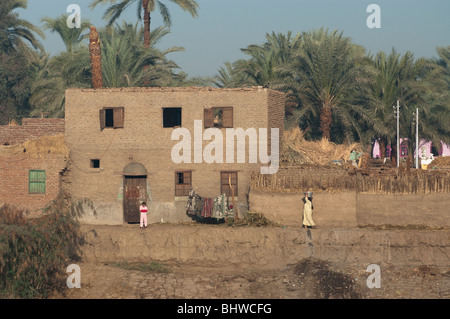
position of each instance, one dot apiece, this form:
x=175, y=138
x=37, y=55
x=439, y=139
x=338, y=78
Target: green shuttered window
x=36, y=182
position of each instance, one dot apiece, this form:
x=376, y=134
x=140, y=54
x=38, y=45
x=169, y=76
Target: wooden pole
x=236, y=216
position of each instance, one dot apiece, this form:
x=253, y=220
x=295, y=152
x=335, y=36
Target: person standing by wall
x=307, y=212
x=143, y=221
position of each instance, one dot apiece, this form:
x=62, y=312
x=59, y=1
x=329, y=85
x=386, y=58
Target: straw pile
x=38, y=147
x=296, y=150
x=441, y=162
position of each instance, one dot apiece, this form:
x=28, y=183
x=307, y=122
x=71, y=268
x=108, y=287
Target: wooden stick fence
x=296, y=179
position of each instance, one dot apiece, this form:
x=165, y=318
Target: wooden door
x=135, y=192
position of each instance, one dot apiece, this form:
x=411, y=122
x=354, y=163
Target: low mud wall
x=353, y=209
x=265, y=247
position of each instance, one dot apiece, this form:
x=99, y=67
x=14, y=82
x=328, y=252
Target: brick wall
x=144, y=140
x=14, y=172
x=30, y=128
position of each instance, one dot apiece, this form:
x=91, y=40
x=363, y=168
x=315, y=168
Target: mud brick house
x=30, y=128
x=33, y=157
x=121, y=147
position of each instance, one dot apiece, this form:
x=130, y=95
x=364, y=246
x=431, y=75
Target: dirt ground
x=309, y=278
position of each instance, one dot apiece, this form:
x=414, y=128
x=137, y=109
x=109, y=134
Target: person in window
x=143, y=221
x=307, y=212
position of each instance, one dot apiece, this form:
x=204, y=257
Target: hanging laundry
x=208, y=210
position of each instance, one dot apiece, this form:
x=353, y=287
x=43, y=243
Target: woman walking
x=307, y=213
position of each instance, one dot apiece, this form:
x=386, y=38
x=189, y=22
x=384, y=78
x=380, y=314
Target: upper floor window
x=171, y=116
x=112, y=117
x=218, y=117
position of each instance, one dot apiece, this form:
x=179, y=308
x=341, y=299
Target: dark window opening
x=171, y=117
x=109, y=118
x=183, y=183
x=436, y=150
x=95, y=163
x=112, y=117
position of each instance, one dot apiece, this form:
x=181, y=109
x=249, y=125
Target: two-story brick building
x=122, y=148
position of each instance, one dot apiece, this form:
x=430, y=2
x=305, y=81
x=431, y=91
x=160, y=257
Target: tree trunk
x=325, y=122
x=95, y=52
x=382, y=143
x=394, y=154
x=146, y=23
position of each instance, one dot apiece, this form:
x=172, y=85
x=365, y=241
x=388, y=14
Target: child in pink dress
x=143, y=209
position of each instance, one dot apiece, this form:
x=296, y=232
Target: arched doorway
x=134, y=191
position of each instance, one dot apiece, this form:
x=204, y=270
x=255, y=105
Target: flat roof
x=178, y=89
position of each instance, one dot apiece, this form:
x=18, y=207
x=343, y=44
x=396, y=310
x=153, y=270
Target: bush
x=35, y=253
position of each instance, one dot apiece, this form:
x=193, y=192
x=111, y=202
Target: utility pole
x=397, y=115
x=417, y=137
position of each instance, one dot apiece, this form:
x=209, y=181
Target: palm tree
x=263, y=66
x=444, y=61
x=124, y=58
x=229, y=76
x=415, y=84
x=144, y=8
x=72, y=37
x=329, y=75
x=54, y=76
x=14, y=31
x=17, y=49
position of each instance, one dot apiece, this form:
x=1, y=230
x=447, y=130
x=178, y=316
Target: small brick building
x=33, y=158
x=121, y=145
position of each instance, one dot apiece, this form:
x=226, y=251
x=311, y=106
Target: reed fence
x=302, y=179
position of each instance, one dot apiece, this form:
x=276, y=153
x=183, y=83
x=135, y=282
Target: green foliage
x=35, y=253
x=14, y=31
x=15, y=55
x=116, y=9
x=127, y=63
x=332, y=84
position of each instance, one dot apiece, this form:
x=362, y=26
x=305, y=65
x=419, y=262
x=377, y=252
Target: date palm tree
x=329, y=74
x=144, y=9
x=15, y=33
x=262, y=67
x=18, y=42
x=123, y=56
x=72, y=37
x=415, y=83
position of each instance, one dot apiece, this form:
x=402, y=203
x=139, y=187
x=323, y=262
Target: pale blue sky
x=223, y=27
